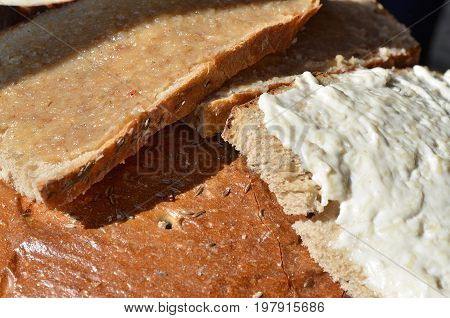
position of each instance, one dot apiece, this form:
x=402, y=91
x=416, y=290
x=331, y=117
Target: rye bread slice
x=34, y=53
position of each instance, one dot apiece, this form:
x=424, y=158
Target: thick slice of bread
x=148, y=230
x=277, y=165
x=345, y=34
x=295, y=191
x=298, y=194
x=84, y=85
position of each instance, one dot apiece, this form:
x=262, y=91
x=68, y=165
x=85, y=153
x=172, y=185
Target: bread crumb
x=244, y=236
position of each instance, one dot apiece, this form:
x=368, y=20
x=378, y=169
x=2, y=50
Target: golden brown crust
x=110, y=242
x=179, y=104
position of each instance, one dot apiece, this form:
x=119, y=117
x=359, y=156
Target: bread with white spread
x=372, y=148
x=344, y=35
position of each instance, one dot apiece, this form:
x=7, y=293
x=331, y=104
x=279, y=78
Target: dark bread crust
x=176, y=106
x=107, y=243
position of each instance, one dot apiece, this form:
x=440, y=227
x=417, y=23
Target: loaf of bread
x=161, y=225
x=344, y=35
x=76, y=99
x=376, y=141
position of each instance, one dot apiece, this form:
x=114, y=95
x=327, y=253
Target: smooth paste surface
x=377, y=141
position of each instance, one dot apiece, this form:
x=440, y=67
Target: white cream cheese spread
x=377, y=141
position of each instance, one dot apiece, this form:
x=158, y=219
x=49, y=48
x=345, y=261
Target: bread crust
x=178, y=102
x=110, y=243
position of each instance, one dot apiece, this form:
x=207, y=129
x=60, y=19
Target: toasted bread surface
x=88, y=95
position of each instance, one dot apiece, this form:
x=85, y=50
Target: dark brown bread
x=160, y=226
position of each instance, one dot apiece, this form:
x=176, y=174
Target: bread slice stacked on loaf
x=367, y=153
x=344, y=34
x=84, y=85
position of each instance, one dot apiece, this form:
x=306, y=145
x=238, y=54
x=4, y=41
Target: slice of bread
x=298, y=194
x=277, y=165
x=345, y=34
x=83, y=86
